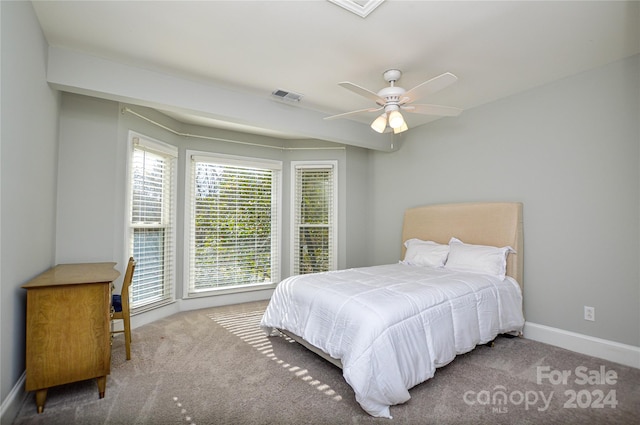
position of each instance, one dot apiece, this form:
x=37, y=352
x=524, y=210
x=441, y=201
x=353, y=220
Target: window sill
x=151, y=306
x=230, y=290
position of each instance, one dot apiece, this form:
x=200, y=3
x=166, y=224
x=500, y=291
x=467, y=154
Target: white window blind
x=314, y=218
x=234, y=223
x=152, y=224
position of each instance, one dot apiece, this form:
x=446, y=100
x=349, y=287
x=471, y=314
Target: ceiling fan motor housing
x=392, y=94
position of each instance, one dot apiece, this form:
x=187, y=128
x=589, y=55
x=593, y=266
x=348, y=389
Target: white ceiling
x=496, y=48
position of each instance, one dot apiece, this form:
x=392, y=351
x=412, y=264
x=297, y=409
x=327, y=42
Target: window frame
x=333, y=219
x=170, y=250
x=189, y=222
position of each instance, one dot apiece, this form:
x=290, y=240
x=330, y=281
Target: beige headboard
x=482, y=223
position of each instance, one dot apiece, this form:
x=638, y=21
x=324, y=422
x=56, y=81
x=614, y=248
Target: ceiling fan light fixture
x=380, y=123
x=396, y=120
x=400, y=129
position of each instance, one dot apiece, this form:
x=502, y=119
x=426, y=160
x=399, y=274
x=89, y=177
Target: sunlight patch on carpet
x=183, y=411
x=246, y=326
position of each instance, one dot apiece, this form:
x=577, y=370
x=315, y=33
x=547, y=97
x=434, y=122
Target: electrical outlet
x=589, y=313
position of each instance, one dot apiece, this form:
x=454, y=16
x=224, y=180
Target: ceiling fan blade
x=438, y=110
x=362, y=92
x=347, y=114
x=429, y=87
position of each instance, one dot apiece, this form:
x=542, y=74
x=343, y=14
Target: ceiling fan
x=393, y=99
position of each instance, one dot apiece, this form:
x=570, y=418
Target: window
x=152, y=221
x=314, y=217
x=234, y=222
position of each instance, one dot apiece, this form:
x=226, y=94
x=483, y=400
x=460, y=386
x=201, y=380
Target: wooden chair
x=120, y=306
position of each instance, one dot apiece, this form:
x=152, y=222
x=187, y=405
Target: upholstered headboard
x=482, y=223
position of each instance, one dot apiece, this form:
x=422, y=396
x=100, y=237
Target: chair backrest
x=126, y=283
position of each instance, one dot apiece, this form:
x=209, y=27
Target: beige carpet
x=214, y=366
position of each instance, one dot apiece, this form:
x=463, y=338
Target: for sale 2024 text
x=589, y=397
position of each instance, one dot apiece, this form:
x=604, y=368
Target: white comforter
x=393, y=325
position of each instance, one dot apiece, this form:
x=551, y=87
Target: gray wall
x=570, y=152
x=90, y=204
x=29, y=165
x=358, y=192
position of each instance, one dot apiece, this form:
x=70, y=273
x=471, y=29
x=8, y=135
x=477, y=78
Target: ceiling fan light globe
x=400, y=129
x=380, y=123
x=396, y=120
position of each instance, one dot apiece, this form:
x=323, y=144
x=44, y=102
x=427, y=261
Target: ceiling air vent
x=287, y=95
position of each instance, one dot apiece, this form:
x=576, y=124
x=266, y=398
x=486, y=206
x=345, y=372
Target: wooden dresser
x=68, y=333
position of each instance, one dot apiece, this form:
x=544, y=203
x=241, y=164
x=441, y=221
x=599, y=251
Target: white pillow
x=478, y=258
x=425, y=253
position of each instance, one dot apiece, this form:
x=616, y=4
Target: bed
x=389, y=327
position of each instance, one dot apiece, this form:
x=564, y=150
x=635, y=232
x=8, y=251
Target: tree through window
x=235, y=214
x=314, y=219
x=152, y=221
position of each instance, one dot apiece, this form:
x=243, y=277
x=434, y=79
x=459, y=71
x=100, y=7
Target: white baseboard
x=627, y=355
x=196, y=303
x=11, y=404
